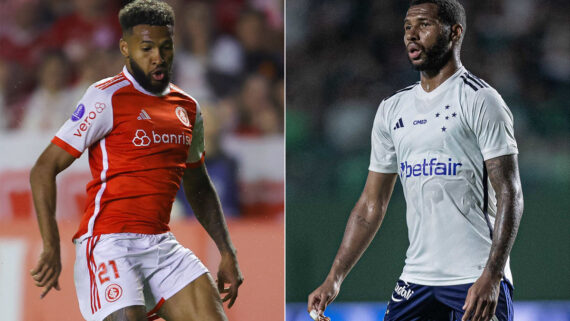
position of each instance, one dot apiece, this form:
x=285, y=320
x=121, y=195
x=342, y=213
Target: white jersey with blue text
x=437, y=142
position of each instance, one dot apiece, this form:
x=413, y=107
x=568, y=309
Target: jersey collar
x=441, y=88
x=140, y=88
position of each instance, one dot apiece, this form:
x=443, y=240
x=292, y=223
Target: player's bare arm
x=482, y=297
x=363, y=223
x=42, y=179
x=202, y=196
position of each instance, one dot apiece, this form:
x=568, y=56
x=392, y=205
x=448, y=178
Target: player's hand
x=47, y=270
x=322, y=297
x=229, y=272
x=482, y=298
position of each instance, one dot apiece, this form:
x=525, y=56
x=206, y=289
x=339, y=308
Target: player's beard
x=436, y=56
x=145, y=80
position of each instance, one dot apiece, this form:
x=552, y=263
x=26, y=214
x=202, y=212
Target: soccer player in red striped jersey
x=144, y=137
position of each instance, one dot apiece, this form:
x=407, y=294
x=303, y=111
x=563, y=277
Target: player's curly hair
x=146, y=12
x=450, y=12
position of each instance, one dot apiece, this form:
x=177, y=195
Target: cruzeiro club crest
x=182, y=115
x=445, y=115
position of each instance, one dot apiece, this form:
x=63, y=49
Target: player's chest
x=427, y=126
x=153, y=123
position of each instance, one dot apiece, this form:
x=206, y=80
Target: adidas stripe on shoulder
x=402, y=90
x=108, y=82
x=473, y=81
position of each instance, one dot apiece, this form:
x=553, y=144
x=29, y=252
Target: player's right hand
x=322, y=297
x=47, y=270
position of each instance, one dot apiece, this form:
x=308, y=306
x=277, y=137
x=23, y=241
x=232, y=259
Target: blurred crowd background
x=344, y=57
x=228, y=55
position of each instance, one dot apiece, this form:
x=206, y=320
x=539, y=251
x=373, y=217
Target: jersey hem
x=80, y=238
x=420, y=281
x=460, y=281
x=382, y=170
x=66, y=147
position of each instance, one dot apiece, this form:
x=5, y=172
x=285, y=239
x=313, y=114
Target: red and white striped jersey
x=139, y=146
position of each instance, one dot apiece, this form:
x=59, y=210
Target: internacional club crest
x=182, y=115
x=113, y=292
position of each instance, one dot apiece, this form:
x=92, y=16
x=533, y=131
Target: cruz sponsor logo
x=142, y=139
x=403, y=292
x=429, y=168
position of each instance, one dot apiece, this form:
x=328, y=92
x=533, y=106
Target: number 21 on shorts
x=103, y=277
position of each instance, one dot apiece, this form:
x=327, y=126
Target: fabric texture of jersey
x=139, y=146
x=414, y=302
x=114, y=271
x=437, y=142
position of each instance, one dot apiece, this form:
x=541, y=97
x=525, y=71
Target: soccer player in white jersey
x=450, y=140
x=144, y=137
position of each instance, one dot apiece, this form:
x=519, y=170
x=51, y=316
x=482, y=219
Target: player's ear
x=124, y=47
x=456, y=32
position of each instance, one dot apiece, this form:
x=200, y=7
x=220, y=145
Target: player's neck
x=431, y=79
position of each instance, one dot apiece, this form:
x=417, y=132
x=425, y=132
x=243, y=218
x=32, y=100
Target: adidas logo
x=399, y=124
x=143, y=115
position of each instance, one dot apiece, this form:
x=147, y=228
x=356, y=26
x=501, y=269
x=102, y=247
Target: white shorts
x=113, y=271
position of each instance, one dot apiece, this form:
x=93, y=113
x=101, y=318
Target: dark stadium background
x=343, y=58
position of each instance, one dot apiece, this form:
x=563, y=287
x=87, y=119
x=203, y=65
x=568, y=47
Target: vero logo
x=84, y=125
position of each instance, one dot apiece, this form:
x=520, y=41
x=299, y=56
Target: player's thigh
x=413, y=302
x=198, y=301
x=132, y=313
x=454, y=297
x=105, y=280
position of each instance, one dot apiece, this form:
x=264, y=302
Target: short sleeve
x=91, y=121
x=492, y=124
x=196, y=152
x=383, y=154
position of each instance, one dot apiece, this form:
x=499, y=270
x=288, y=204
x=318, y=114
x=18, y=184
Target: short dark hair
x=146, y=12
x=450, y=12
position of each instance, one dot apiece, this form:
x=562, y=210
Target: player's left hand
x=229, y=272
x=482, y=298
x=47, y=270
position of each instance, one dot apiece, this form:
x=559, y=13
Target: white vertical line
x=101, y=190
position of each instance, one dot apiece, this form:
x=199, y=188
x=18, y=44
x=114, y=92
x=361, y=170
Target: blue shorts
x=414, y=302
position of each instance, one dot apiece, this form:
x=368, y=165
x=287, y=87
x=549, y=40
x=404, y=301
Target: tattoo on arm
x=504, y=176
